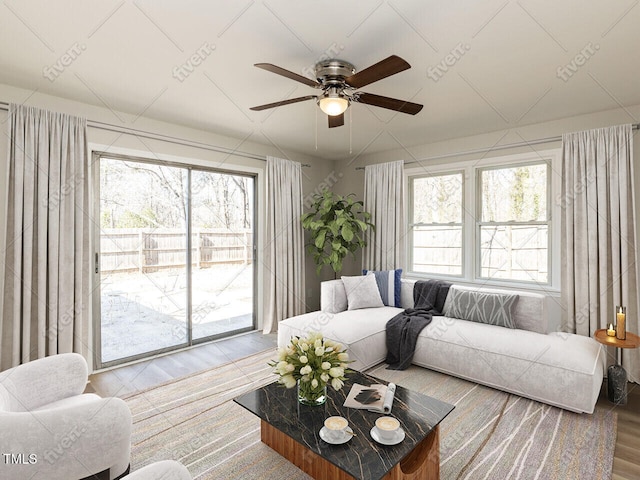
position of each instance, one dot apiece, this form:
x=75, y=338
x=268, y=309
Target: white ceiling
x=507, y=76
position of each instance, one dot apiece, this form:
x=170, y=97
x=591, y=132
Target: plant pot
x=307, y=395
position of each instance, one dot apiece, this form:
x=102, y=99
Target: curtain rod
x=538, y=141
x=167, y=138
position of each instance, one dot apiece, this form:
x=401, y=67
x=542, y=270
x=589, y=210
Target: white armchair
x=50, y=430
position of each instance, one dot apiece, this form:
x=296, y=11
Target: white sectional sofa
x=560, y=369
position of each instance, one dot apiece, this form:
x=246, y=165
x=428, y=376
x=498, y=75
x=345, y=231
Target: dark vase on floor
x=617, y=385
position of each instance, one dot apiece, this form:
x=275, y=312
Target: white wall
x=353, y=180
x=340, y=175
x=118, y=142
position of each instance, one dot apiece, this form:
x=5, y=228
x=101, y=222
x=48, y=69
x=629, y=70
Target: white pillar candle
x=621, y=319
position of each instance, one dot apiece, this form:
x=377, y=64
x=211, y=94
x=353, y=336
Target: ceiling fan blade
x=336, y=120
x=286, y=73
x=383, y=69
x=283, y=102
x=387, y=102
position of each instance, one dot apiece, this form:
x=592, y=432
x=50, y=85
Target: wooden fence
x=133, y=249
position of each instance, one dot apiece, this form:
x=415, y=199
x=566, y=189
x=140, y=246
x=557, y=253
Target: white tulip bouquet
x=311, y=363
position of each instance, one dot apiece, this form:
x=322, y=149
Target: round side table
x=616, y=375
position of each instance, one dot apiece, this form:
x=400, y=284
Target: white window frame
x=479, y=223
x=471, y=201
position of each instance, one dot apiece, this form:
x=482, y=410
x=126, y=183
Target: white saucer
x=345, y=438
x=394, y=441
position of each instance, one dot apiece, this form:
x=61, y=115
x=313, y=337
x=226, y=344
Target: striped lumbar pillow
x=481, y=307
x=388, y=284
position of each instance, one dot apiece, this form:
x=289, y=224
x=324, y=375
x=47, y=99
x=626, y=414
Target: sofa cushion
x=362, y=292
x=482, y=307
x=389, y=283
x=362, y=332
x=333, y=296
x=560, y=369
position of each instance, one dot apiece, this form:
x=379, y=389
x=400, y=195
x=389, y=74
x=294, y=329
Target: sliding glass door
x=222, y=253
x=175, y=257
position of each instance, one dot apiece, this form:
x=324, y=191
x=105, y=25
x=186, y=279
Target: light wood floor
x=126, y=379
x=626, y=461
x=131, y=378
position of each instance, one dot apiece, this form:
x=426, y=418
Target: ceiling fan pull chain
x=316, y=112
x=350, y=131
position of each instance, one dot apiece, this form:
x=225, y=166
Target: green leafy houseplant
x=337, y=225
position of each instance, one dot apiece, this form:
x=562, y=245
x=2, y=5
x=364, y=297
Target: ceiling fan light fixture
x=338, y=81
x=333, y=104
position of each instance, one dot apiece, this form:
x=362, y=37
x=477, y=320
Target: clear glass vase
x=307, y=395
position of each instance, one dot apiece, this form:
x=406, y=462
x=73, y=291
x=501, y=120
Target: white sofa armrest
x=46, y=380
x=87, y=436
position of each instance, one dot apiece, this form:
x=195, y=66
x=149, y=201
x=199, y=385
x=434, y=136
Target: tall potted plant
x=337, y=225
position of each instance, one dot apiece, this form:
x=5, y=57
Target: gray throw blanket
x=403, y=329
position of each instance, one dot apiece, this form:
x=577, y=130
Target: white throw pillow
x=362, y=292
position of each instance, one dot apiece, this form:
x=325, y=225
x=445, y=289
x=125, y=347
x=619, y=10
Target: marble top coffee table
x=292, y=430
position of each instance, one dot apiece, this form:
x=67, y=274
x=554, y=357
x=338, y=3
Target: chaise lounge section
x=560, y=369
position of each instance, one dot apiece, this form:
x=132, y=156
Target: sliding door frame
x=97, y=155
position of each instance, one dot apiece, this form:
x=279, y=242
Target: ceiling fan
x=338, y=81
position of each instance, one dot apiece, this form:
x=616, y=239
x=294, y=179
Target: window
x=491, y=221
x=513, y=225
x=437, y=224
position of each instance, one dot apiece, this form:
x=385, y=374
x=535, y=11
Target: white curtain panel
x=599, y=268
x=384, y=199
x=284, y=249
x=47, y=261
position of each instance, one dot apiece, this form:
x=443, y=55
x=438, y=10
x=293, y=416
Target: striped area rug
x=490, y=434
x=494, y=435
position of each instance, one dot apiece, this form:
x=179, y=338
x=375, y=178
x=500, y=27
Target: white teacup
x=336, y=428
x=387, y=427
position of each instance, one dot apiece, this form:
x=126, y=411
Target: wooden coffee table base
x=423, y=463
